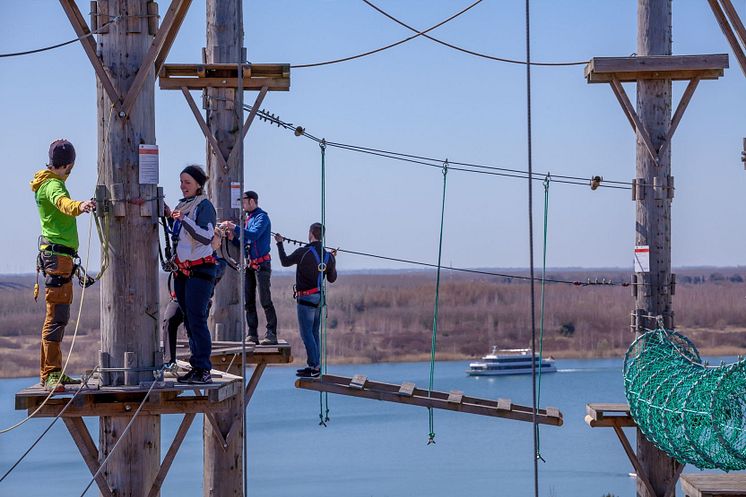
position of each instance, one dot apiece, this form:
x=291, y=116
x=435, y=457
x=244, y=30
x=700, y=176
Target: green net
x=694, y=412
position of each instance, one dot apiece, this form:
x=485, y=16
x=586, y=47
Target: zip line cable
x=69, y=42
x=391, y=45
x=72, y=343
x=589, y=282
x=468, y=167
x=529, y=150
x=471, y=52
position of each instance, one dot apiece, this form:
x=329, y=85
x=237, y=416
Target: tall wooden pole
x=224, y=457
x=224, y=30
x=129, y=289
x=654, y=210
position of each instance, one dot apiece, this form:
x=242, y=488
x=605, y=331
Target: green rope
x=323, y=396
x=547, y=180
x=431, y=434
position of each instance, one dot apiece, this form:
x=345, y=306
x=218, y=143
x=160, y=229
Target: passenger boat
x=509, y=361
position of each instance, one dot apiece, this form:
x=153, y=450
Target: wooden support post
x=186, y=422
x=654, y=214
x=725, y=26
x=224, y=464
x=88, y=450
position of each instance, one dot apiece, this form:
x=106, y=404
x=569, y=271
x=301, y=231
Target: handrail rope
x=471, y=52
x=431, y=384
x=69, y=42
x=541, y=312
x=391, y=45
x=323, y=409
x=83, y=385
x=435, y=163
x=72, y=343
x=529, y=154
x=589, y=282
x=121, y=436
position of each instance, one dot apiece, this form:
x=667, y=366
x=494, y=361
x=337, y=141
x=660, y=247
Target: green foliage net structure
x=694, y=412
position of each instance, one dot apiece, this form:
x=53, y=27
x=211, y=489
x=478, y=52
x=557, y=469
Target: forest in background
x=388, y=316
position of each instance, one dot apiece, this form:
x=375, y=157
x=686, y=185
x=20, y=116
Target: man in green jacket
x=58, y=248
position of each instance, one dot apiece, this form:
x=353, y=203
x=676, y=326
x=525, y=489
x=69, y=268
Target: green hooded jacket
x=57, y=211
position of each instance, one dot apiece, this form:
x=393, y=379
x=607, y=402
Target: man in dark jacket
x=313, y=264
x=257, y=238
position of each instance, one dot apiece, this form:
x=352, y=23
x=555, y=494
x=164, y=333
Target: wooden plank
x=504, y=404
x=455, y=396
x=423, y=398
x=88, y=450
x=100, y=409
x=735, y=20
x=225, y=392
x=407, y=389
x=250, y=84
x=673, y=67
x=203, y=126
x=711, y=485
x=186, y=423
x=358, y=381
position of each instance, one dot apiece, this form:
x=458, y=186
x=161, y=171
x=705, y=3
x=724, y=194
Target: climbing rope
x=431, y=385
x=323, y=396
x=693, y=412
x=541, y=309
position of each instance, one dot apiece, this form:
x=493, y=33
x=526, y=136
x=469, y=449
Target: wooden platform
x=714, y=485
x=226, y=355
x=275, y=77
x=167, y=397
x=407, y=393
x=673, y=67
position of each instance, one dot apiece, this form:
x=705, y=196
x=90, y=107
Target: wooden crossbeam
x=214, y=146
x=186, y=423
x=253, y=382
x=672, y=67
x=89, y=451
x=725, y=27
x=714, y=485
x=421, y=397
x=276, y=77
x=247, y=124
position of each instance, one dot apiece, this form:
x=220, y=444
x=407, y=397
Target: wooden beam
x=177, y=7
x=89, y=46
x=673, y=67
x=186, y=423
x=728, y=32
x=424, y=398
x=641, y=475
x=168, y=41
x=276, y=77
x=634, y=120
x=676, y=119
x=216, y=431
x=249, y=120
x=671, y=492
x=735, y=20
x=88, y=450
x=203, y=126
x=711, y=485
x=253, y=382
x=254, y=84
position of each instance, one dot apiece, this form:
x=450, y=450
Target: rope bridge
x=694, y=412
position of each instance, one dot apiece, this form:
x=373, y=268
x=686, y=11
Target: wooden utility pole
x=224, y=30
x=129, y=289
x=653, y=220
x=223, y=432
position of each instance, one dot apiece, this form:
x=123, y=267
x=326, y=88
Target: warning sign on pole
x=235, y=195
x=148, y=164
x=642, y=258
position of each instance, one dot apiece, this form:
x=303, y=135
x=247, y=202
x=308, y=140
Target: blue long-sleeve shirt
x=257, y=234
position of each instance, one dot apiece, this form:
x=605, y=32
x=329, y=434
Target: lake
x=371, y=448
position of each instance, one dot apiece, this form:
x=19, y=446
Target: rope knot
x=445, y=167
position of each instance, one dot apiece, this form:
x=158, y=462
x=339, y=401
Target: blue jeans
x=309, y=322
x=193, y=294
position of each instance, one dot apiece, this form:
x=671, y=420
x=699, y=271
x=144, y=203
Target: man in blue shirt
x=257, y=240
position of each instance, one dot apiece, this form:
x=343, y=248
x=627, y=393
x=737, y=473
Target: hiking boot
x=56, y=381
x=309, y=373
x=200, y=377
x=268, y=340
x=252, y=340
x=187, y=378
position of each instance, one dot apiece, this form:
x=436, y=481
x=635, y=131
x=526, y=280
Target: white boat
x=509, y=361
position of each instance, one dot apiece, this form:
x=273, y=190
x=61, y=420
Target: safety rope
x=431, y=385
x=72, y=343
x=541, y=312
x=323, y=396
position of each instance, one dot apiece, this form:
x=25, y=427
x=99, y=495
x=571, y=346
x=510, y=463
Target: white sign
x=642, y=258
x=235, y=195
x=148, y=164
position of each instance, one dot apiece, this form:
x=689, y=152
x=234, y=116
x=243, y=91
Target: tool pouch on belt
x=58, y=273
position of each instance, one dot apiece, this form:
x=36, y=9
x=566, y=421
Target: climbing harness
x=431, y=385
x=167, y=254
x=55, y=280
x=254, y=263
x=693, y=412
x=321, y=266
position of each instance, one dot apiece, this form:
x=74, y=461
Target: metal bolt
x=127, y=407
x=122, y=114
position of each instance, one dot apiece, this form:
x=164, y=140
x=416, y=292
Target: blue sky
x=418, y=98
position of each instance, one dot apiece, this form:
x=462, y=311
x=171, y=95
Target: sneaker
x=200, y=377
x=187, y=378
x=310, y=373
x=268, y=341
x=252, y=340
x=300, y=372
x=56, y=381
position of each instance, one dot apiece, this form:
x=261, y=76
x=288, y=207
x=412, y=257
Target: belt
x=303, y=293
x=185, y=267
x=254, y=263
x=60, y=249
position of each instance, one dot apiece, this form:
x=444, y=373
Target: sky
x=418, y=98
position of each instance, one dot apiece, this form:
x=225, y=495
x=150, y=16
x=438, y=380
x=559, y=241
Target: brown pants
x=58, y=298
